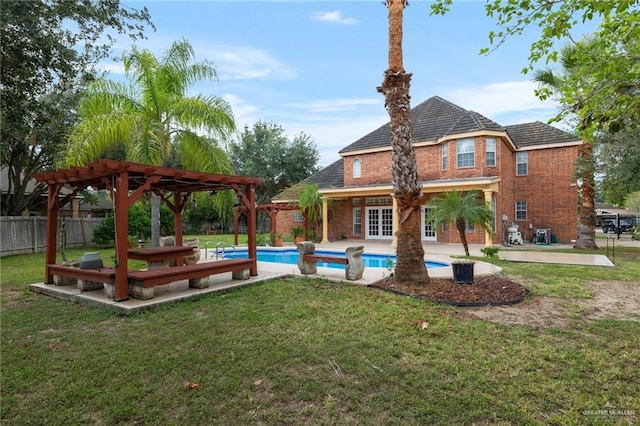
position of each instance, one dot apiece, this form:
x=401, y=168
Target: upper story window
x=444, y=156
x=491, y=151
x=521, y=210
x=466, y=152
x=522, y=163
x=357, y=168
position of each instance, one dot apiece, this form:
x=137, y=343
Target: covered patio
x=128, y=183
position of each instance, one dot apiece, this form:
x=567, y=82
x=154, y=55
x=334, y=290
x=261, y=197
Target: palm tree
x=152, y=120
x=585, y=163
x=460, y=209
x=310, y=204
x=407, y=189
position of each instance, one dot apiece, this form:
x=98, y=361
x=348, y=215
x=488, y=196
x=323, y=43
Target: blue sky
x=313, y=66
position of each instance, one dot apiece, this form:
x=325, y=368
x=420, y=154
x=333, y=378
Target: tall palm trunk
x=155, y=220
x=460, y=226
x=407, y=189
x=586, y=235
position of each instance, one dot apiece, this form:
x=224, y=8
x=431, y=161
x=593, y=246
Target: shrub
x=139, y=224
x=491, y=251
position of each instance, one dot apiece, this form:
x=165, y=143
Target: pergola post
x=251, y=228
x=121, y=200
x=52, y=230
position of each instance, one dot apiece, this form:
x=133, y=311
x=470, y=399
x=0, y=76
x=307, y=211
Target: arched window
x=357, y=168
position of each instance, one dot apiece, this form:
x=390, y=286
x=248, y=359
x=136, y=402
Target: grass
x=306, y=351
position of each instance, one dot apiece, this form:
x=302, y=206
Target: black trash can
x=462, y=272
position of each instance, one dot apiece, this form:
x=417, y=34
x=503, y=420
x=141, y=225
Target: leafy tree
x=618, y=161
x=561, y=82
x=48, y=49
x=632, y=202
x=206, y=209
x=460, y=209
x=407, y=189
x=139, y=224
x=152, y=121
x=607, y=68
x=265, y=151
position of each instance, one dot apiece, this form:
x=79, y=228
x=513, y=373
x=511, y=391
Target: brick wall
x=552, y=201
x=550, y=192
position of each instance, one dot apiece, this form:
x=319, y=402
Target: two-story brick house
x=525, y=173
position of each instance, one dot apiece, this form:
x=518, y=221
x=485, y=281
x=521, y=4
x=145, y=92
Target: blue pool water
x=291, y=257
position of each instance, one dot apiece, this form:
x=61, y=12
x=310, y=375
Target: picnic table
x=158, y=257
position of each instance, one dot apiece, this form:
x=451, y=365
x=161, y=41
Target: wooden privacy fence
x=21, y=234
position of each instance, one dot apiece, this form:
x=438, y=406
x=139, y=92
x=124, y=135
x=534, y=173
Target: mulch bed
x=485, y=290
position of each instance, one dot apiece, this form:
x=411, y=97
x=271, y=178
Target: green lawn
x=305, y=351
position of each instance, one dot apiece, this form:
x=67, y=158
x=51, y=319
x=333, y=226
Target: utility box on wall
x=543, y=236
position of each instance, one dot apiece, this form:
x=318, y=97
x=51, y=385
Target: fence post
x=34, y=235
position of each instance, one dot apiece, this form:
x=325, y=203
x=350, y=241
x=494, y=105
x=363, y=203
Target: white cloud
x=335, y=105
x=495, y=99
x=112, y=67
x=242, y=111
x=244, y=63
x=331, y=134
x=334, y=17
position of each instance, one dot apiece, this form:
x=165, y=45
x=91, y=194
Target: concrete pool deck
x=267, y=271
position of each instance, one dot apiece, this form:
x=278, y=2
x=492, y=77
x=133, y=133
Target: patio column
x=396, y=221
x=325, y=222
x=488, y=235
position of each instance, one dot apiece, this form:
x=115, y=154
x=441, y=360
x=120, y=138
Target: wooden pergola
x=127, y=183
x=272, y=211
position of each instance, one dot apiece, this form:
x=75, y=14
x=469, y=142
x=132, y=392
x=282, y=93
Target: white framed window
x=357, y=221
x=469, y=227
x=379, y=201
x=522, y=163
x=357, y=168
x=490, y=151
x=443, y=151
x=521, y=210
x=465, y=151
x=297, y=216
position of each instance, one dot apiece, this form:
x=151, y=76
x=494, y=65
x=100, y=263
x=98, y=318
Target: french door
x=428, y=227
x=379, y=223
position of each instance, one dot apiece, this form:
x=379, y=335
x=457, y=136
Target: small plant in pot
x=462, y=271
x=276, y=239
x=298, y=234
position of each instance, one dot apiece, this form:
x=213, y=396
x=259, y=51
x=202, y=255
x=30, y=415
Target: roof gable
x=430, y=120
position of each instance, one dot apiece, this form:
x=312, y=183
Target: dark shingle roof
x=538, y=133
x=431, y=120
x=331, y=176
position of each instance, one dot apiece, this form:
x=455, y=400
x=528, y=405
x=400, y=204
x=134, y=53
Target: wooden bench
x=307, y=259
x=325, y=259
x=87, y=279
x=141, y=283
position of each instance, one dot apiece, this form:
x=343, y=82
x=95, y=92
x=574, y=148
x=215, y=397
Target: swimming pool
x=290, y=256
